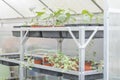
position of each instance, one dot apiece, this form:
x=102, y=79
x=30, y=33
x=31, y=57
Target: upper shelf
x=58, y=32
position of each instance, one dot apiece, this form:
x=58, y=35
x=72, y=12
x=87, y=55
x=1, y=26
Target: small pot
x=45, y=60
x=37, y=26
x=38, y=60
x=47, y=64
x=88, y=66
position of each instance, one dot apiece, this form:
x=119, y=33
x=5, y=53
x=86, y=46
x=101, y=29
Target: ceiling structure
x=10, y=9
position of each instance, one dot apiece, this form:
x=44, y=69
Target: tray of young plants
x=65, y=62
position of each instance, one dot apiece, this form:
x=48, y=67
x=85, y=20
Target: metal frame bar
x=97, y=5
x=82, y=45
x=46, y=5
x=106, y=40
x=82, y=54
x=13, y=8
x=24, y=37
x=87, y=42
x=22, y=41
x=59, y=44
x=77, y=43
x=21, y=70
x=90, y=38
x=81, y=41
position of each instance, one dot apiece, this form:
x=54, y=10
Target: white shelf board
x=53, y=28
x=91, y=72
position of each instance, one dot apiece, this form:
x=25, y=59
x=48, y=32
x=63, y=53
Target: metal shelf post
x=81, y=54
x=21, y=71
x=23, y=39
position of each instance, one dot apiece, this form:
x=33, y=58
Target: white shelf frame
x=81, y=44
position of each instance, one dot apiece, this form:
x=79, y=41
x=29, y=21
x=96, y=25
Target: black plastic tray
x=30, y=33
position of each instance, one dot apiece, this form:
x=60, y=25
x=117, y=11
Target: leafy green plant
x=61, y=16
x=57, y=18
x=87, y=15
x=62, y=61
x=40, y=15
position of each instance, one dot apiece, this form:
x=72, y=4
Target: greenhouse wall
x=114, y=46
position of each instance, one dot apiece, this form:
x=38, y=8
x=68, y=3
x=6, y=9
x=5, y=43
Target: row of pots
x=44, y=61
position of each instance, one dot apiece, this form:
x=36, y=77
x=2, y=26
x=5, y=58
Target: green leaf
x=68, y=15
x=40, y=13
x=86, y=12
x=59, y=12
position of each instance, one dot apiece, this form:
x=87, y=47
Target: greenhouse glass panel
x=72, y=4
x=26, y=7
x=114, y=40
x=114, y=47
x=6, y=11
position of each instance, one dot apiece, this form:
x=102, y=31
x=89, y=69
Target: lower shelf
x=68, y=75
x=87, y=77
x=73, y=75
x=8, y=63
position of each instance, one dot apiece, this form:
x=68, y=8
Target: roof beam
x=13, y=8
x=97, y=5
x=46, y=5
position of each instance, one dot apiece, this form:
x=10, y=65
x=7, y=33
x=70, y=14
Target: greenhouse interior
x=59, y=40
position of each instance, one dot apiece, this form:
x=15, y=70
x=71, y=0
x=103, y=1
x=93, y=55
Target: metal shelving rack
x=81, y=44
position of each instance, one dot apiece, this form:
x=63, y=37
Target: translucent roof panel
x=6, y=11
x=24, y=6
x=114, y=4
x=77, y=5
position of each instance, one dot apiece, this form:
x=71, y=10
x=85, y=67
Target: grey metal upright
x=106, y=40
x=21, y=71
x=81, y=54
x=23, y=39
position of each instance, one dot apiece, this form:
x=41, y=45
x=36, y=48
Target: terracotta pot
x=38, y=26
x=45, y=60
x=38, y=61
x=52, y=64
x=88, y=66
x=47, y=64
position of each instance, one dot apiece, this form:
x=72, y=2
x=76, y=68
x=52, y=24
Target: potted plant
x=40, y=16
x=59, y=18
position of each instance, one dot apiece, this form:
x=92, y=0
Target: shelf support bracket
x=90, y=38
x=71, y=33
x=24, y=37
x=87, y=42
